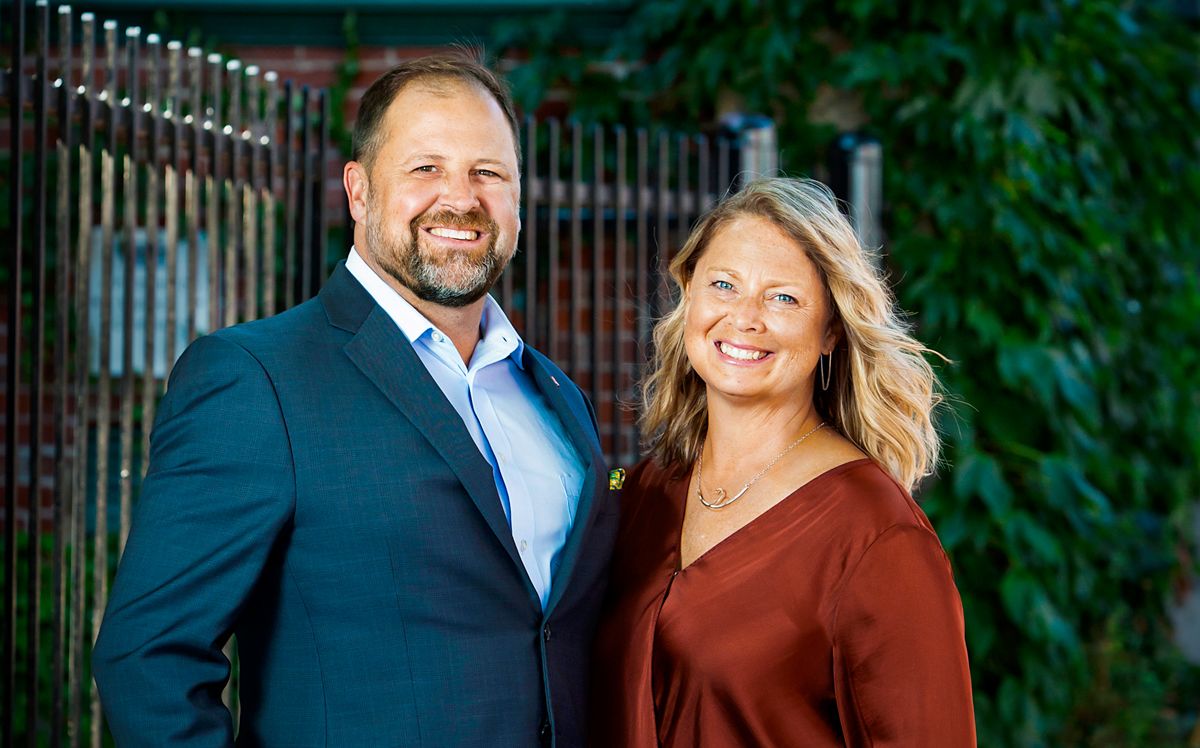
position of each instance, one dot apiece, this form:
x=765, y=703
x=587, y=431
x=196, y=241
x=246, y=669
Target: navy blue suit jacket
x=312, y=491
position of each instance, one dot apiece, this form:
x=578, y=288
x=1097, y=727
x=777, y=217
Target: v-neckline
x=681, y=502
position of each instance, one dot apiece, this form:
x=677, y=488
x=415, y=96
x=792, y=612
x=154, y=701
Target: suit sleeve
x=218, y=495
x=900, y=661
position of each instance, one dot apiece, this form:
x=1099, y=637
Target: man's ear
x=354, y=179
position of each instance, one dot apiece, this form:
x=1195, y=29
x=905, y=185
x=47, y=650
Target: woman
x=775, y=584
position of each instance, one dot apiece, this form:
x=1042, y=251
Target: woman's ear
x=834, y=332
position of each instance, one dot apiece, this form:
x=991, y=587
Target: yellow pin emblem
x=616, y=479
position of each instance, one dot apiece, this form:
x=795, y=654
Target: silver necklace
x=720, y=502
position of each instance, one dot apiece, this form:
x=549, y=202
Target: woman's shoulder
x=873, y=500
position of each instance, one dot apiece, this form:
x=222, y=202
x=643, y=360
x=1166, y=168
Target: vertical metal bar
x=33, y=547
x=289, y=200
x=703, y=201
x=305, y=218
x=83, y=410
x=104, y=388
x=191, y=203
x=663, y=230
x=642, y=270
x=724, y=187
x=173, y=187
x=63, y=462
x=506, y=279
x=132, y=163
x=577, y=297
x=598, y=279
x=682, y=208
x=251, y=184
x=530, y=227
x=554, y=247
x=12, y=434
x=620, y=293
x=153, y=107
x=270, y=144
x=212, y=193
x=231, y=192
x=321, y=225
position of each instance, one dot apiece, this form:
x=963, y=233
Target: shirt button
x=524, y=545
x=438, y=337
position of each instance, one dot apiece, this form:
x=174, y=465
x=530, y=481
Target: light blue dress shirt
x=537, y=470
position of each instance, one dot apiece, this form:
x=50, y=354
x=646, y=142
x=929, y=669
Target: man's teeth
x=454, y=233
x=741, y=353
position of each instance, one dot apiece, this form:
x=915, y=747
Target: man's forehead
x=401, y=122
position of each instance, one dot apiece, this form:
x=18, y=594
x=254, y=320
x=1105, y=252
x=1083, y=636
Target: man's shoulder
x=286, y=328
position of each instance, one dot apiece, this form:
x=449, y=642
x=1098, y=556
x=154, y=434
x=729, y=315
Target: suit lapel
x=572, y=410
x=387, y=359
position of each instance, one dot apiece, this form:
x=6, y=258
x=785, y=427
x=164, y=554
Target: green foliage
x=1042, y=176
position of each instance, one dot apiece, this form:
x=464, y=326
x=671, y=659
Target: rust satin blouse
x=830, y=620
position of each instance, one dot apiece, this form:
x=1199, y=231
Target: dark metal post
x=12, y=436
x=33, y=547
x=231, y=192
x=153, y=199
x=108, y=203
x=87, y=152
x=620, y=293
x=132, y=164
x=304, y=215
x=642, y=267
x=212, y=193
x=321, y=225
x=289, y=199
x=63, y=461
x=554, y=256
x=530, y=229
x=598, y=277
x=576, y=280
x=192, y=188
x=270, y=144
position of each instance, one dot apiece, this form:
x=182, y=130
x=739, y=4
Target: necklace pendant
x=719, y=495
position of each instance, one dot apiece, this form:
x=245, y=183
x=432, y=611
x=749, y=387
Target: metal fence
x=154, y=193
x=157, y=193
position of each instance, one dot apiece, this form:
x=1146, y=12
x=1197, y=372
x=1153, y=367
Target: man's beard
x=453, y=279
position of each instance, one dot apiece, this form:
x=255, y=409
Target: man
x=394, y=504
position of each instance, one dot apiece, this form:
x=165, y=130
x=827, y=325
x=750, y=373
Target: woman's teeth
x=741, y=353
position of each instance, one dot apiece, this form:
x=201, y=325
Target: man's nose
x=458, y=193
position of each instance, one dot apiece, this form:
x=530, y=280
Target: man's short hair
x=460, y=65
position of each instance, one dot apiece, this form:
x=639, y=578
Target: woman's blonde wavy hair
x=882, y=391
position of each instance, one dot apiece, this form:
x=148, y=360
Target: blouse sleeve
x=900, y=660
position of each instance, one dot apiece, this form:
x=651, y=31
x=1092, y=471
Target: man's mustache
x=473, y=220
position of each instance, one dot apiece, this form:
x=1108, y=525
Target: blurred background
x=1028, y=170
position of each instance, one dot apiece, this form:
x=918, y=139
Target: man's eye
x=488, y=173
x=427, y=169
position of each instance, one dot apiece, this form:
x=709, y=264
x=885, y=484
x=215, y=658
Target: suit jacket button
x=544, y=734
x=546, y=632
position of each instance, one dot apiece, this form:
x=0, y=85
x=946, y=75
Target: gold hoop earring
x=826, y=370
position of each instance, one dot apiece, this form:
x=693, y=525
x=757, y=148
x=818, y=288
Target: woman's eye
x=785, y=298
x=723, y=285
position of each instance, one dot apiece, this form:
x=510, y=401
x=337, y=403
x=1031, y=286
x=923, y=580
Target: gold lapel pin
x=616, y=479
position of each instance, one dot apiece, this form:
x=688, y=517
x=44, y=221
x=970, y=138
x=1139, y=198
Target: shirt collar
x=496, y=335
